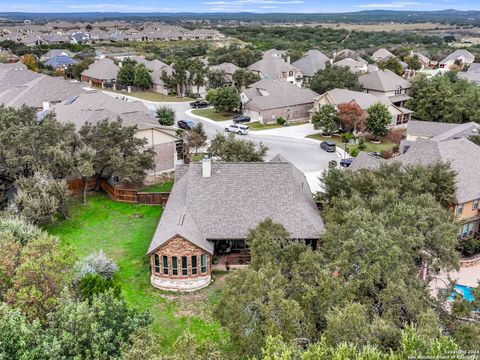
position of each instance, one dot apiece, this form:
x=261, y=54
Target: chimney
x=45, y=105
x=288, y=59
x=206, y=167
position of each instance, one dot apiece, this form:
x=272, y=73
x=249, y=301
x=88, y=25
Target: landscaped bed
x=384, y=145
x=123, y=231
x=212, y=114
x=256, y=126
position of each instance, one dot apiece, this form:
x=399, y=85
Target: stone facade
x=183, y=279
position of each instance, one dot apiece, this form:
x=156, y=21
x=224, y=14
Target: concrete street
x=305, y=154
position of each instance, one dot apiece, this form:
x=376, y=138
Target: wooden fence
x=130, y=194
x=75, y=186
x=121, y=192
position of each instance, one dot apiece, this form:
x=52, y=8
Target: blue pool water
x=465, y=290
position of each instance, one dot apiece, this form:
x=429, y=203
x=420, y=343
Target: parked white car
x=237, y=129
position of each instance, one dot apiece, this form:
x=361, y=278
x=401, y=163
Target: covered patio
x=230, y=254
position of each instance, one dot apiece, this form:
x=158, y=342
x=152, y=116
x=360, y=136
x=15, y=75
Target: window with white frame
x=165, y=265
x=460, y=209
x=204, y=263
x=156, y=263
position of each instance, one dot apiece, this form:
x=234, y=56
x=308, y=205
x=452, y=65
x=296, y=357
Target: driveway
x=296, y=131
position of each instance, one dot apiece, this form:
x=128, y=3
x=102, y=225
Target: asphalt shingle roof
x=383, y=80
x=104, y=69
x=271, y=94
x=234, y=200
x=313, y=61
x=462, y=154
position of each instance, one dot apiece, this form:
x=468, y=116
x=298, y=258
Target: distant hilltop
x=450, y=16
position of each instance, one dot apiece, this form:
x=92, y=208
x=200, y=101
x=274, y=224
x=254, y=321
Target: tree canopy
x=444, y=99
x=224, y=99
x=377, y=120
x=326, y=119
x=334, y=77
x=230, y=149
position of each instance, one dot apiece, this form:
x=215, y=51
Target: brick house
x=267, y=100
x=209, y=214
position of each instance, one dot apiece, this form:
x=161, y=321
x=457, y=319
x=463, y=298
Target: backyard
x=212, y=114
x=370, y=147
x=123, y=231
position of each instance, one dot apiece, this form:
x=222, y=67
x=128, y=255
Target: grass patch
x=124, y=232
x=256, y=126
x=151, y=96
x=384, y=145
x=211, y=114
x=164, y=187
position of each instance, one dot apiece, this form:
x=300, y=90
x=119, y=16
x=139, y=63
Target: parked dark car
x=328, y=146
x=376, y=154
x=186, y=124
x=346, y=162
x=199, y=104
x=238, y=119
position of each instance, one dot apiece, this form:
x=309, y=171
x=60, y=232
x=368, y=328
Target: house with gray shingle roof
x=101, y=72
x=274, y=67
x=472, y=74
x=356, y=66
x=267, y=100
x=460, y=56
x=19, y=86
x=209, y=213
x=335, y=97
x=381, y=54
x=463, y=157
x=310, y=63
x=97, y=106
x=228, y=68
x=386, y=83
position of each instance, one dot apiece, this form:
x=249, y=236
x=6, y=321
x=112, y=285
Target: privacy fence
x=120, y=192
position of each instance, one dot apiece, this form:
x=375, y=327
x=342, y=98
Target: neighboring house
x=472, y=74
x=97, y=106
x=267, y=100
x=335, y=97
x=463, y=157
x=343, y=54
x=55, y=52
x=228, y=68
x=60, y=62
x=274, y=68
x=357, y=66
x=209, y=214
x=436, y=131
x=19, y=86
x=310, y=63
x=459, y=57
x=386, y=83
x=426, y=62
x=381, y=55
x=275, y=53
x=100, y=73
x=80, y=38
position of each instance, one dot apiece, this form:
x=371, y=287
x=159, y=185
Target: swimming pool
x=462, y=289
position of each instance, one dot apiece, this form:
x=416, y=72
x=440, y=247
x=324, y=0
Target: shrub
x=361, y=144
x=346, y=137
x=96, y=264
x=469, y=247
x=354, y=152
x=395, y=136
x=281, y=121
x=93, y=284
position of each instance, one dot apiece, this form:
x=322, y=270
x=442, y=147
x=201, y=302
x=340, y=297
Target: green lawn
x=384, y=145
x=151, y=96
x=256, y=126
x=124, y=232
x=210, y=113
x=164, y=187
